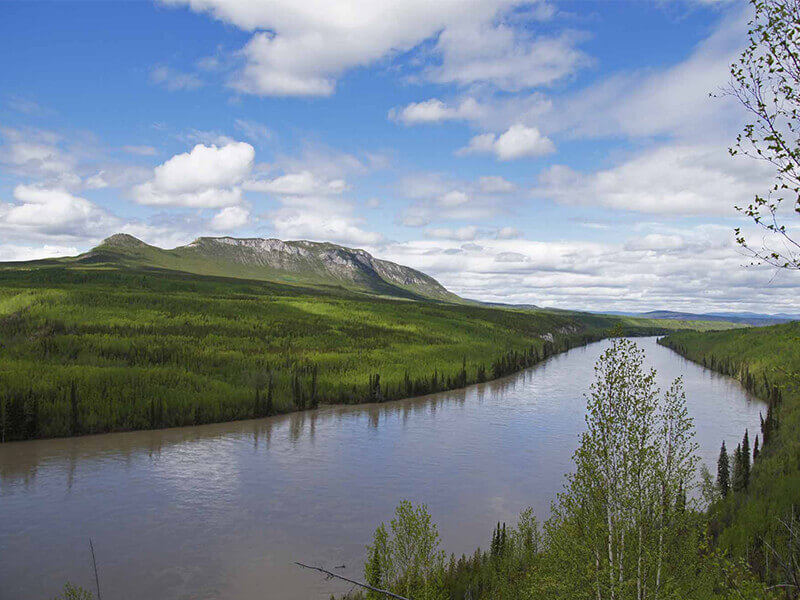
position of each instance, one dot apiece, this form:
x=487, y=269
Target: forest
x=104, y=349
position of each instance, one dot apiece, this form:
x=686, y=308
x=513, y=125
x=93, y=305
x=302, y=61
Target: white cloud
x=467, y=233
x=38, y=153
x=670, y=101
x=43, y=210
x=508, y=233
x=696, y=269
x=13, y=252
x=656, y=242
x=494, y=184
x=117, y=176
x=313, y=204
x=96, y=181
x=670, y=179
x=205, y=167
x=175, y=80
x=230, y=218
x=303, y=183
x=439, y=198
x=205, y=177
x=323, y=226
x=453, y=198
x=148, y=193
x=436, y=111
x=507, y=57
x=518, y=141
x=301, y=48
x=252, y=130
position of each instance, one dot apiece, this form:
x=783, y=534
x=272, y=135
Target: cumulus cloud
x=205, y=177
x=518, y=141
x=230, y=218
x=303, y=183
x=43, y=210
x=436, y=111
x=300, y=49
x=339, y=226
x=670, y=179
x=313, y=204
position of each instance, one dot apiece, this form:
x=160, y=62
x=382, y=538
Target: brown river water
x=222, y=511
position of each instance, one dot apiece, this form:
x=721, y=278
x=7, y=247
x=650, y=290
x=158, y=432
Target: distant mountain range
x=748, y=318
x=295, y=262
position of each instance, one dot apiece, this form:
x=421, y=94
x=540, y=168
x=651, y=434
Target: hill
x=292, y=262
x=123, y=337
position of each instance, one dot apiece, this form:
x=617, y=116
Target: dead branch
x=353, y=581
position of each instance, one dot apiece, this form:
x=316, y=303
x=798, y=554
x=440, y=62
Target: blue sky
x=559, y=153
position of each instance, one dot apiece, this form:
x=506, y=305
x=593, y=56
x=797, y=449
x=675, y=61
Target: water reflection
x=223, y=510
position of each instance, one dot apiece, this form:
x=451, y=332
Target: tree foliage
x=407, y=559
x=619, y=524
x=766, y=81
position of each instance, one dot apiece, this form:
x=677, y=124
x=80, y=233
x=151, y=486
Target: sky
x=566, y=154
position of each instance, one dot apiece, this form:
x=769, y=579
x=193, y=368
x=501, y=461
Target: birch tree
x=616, y=526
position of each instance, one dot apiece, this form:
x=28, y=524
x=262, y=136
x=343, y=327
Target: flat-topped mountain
x=300, y=262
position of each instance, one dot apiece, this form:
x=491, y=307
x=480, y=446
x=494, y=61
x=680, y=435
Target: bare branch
x=330, y=575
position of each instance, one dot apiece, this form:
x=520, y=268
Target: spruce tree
x=746, y=459
x=756, y=450
x=723, y=471
x=738, y=470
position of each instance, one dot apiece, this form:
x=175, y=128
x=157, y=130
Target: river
x=222, y=511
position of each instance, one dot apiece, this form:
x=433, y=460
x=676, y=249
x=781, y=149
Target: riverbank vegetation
x=629, y=523
x=89, y=350
x=759, y=516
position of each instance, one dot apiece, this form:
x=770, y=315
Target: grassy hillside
x=293, y=262
x=91, y=348
x=767, y=361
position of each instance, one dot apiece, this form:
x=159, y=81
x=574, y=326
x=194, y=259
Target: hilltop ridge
x=270, y=259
